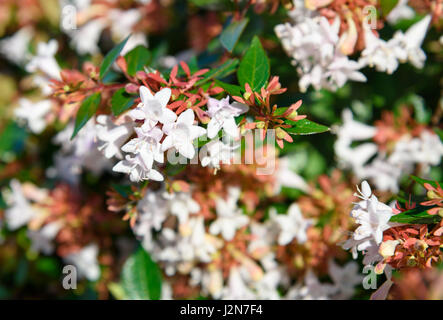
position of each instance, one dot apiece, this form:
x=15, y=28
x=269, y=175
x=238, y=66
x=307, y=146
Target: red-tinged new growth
x=267, y=117
x=435, y=194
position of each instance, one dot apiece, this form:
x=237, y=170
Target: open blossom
x=152, y=108
x=312, y=289
x=33, y=113
x=146, y=148
x=292, y=225
x=411, y=41
x=79, y=153
x=218, y=152
x=237, y=288
x=44, y=60
x=386, y=55
x=182, y=205
x=139, y=168
x=223, y=115
x=230, y=217
x=345, y=278
x=41, y=240
x=401, y=11
x=181, y=134
x=111, y=137
x=371, y=215
x=86, y=262
x=313, y=44
x=15, y=48
x=85, y=39
x=20, y=211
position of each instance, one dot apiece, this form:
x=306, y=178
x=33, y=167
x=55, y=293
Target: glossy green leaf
x=305, y=127
x=232, y=33
x=111, y=57
x=254, y=68
x=86, y=111
x=423, y=181
x=418, y=215
x=220, y=72
x=121, y=101
x=141, y=278
x=231, y=89
x=137, y=58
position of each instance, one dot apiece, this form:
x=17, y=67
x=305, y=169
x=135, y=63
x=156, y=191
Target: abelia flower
x=152, y=108
x=41, y=240
x=86, y=262
x=218, y=152
x=223, y=115
x=20, y=211
x=15, y=47
x=230, y=217
x=291, y=225
x=33, y=113
x=44, y=60
x=111, y=136
x=181, y=134
x=139, y=167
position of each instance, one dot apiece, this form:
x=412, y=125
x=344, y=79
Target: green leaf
x=231, y=89
x=12, y=138
x=254, y=68
x=124, y=190
x=305, y=127
x=219, y=73
x=423, y=181
x=141, y=278
x=387, y=6
x=137, y=58
x=417, y=215
x=121, y=101
x=232, y=33
x=111, y=57
x=86, y=111
x=439, y=132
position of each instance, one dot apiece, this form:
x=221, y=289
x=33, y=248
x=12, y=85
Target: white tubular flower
x=292, y=225
x=20, y=211
x=146, y=148
x=237, y=288
x=181, y=134
x=378, y=53
x=33, y=113
x=312, y=289
x=44, y=60
x=345, y=278
x=223, y=115
x=86, y=262
x=313, y=44
x=153, y=108
x=230, y=217
x=401, y=11
x=111, y=137
x=15, y=48
x=182, y=205
x=139, y=167
x=372, y=216
x=411, y=42
x=148, y=144
x=288, y=178
x=85, y=39
x=218, y=152
x=41, y=240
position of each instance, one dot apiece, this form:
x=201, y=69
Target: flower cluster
x=170, y=139
x=323, y=35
